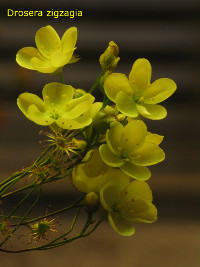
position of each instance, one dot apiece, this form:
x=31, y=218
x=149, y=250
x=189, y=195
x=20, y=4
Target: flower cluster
x=105, y=146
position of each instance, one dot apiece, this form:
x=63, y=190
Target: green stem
x=106, y=101
x=96, y=83
x=124, y=120
x=74, y=205
x=61, y=78
x=29, y=210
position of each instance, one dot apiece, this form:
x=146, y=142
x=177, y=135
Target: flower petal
x=60, y=58
x=69, y=39
x=133, y=135
x=153, y=112
x=77, y=123
x=159, y=90
x=94, y=109
x=126, y=104
x=113, y=136
x=110, y=158
x=120, y=225
x=154, y=138
x=57, y=94
x=38, y=117
x=27, y=99
x=47, y=41
x=25, y=55
x=115, y=83
x=139, y=211
x=116, y=181
x=137, y=190
x=76, y=107
x=147, y=155
x=90, y=176
x=137, y=172
x=33, y=108
x=140, y=74
x=42, y=65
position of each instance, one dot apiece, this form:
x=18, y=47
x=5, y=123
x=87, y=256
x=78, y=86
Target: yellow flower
x=91, y=175
x=132, y=148
x=52, y=53
x=58, y=106
x=127, y=203
x=136, y=95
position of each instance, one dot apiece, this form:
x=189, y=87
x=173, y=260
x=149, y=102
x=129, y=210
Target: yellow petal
x=110, y=158
x=113, y=137
x=153, y=112
x=47, y=41
x=38, y=117
x=25, y=55
x=159, y=90
x=77, y=123
x=89, y=176
x=57, y=94
x=115, y=83
x=27, y=99
x=147, y=155
x=126, y=104
x=60, y=58
x=154, y=138
x=120, y=225
x=42, y=65
x=69, y=39
x=140, y=74
x=133, y=136
x=116, y=181
x=139, y=211
x=138, y=190
x=137, y=172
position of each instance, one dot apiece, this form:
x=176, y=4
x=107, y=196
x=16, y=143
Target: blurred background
x=165, y=32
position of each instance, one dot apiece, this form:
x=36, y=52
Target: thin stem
x=61, y=78
x=29, y=210
x=124, y=120
x=74, y=205
x=96, y=83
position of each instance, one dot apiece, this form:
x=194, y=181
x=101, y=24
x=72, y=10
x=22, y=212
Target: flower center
x=124, y=156
x=54, y=115
x=138, y=98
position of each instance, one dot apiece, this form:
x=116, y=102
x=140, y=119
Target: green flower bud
x=104, y=118
x=91, y=201
x=4, y=227
x=109, y=59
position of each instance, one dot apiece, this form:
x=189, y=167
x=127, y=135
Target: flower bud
x=4, y=227
x=104, y=118
x=78, y=144
x=109, y=59
x=91, y=201
x=79, y=93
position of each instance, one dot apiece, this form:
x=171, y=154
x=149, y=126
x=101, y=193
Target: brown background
x=167, y=34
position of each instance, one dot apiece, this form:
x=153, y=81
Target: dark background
x=167, y=33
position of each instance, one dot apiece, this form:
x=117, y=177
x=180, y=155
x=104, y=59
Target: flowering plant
x=103, y=148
